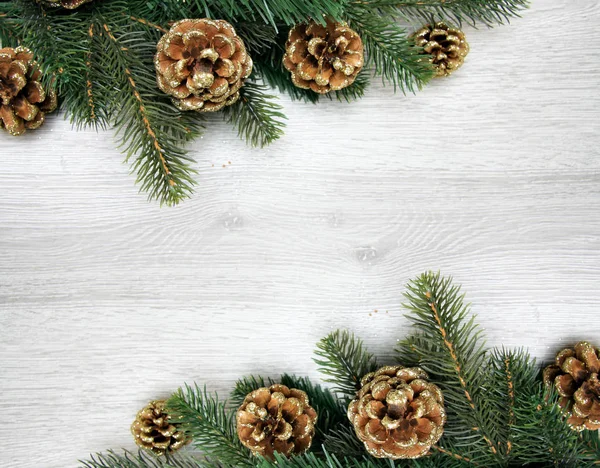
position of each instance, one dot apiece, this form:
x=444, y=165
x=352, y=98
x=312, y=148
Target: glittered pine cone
x=574, y=375
x=202, y=64
x=69, y=4
x=323, y=57
x=397, y=413
x=23, y=100
x=276, y=419
x=447, y=46
x=153, y=430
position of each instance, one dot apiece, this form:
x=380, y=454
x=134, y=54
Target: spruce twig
x=449, y=346
x=256, y=116
x=343, y=359
x=141, y=459
x=210, y=425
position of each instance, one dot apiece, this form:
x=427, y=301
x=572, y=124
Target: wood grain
x=492, y=176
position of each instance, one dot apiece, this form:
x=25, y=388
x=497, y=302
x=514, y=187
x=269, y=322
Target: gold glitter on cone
x=68, y=4
x=24, y=101
x=202, y=64
x=574, y=375
x=276, y=419
x=153, y=430
x=397, y=413
x=323, y=58
x=446, y=46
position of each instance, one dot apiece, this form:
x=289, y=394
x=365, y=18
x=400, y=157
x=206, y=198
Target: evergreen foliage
x=100, y=59
x=343, y=359
x=499, y=412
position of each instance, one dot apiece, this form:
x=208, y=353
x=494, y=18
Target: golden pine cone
x=397, y=413
x=202, y=64
x=574, y=375
x=23, y=100
x=276, y=419
x=153, y=430
x=447, y=46
x=68, y=4
x=323, y=58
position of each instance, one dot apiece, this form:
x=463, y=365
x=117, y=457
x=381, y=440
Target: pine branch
x=353, y=92
x=450, y=348
x=9, y=24
x=141, y=459
x=246, y=385
x=511, y=374
x=342, y=442
x=342, y=357
x=331, y=412
x=389, y=50
x=148, y=125
x=255, y=115
x=210, y=425
x=277, y=77
x=487, y=12
x=260, y=11
x=286, y=11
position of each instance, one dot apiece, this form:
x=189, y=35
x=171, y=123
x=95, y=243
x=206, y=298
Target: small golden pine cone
x=397, y=413
x=447, y=46
x=153, y=430
x=276, y=419
x=23, y=100
x=68, y=4
x=574, y=375
x=202, y=64
x=323, y=58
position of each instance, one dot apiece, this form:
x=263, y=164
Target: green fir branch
x=449, y=346
x=247, y=385
x=331, y=412
x=344, y=360
x=149, y=127
x=142, y=459
x=256, y=116
x=343, y=442
x=487, y=12
x=543, y=435
x=277, y=77
x=510, y=374
x=259, y=11
x=389, y=50
x=210, y=425
x=10, y=33
x=286, y=11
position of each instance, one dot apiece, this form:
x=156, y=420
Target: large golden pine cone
x=397, y=413
x=574, y=375
x=24, y=101
x=202, y=63
x=323, y=58
x=276, y=419
x=447, y=46
x=153, y=430
x=68, y=4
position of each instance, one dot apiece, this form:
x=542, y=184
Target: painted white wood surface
x=492, y=176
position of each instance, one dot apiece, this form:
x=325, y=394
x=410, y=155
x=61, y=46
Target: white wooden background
x=492, y=176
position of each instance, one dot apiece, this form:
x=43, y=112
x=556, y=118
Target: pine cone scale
x=153, y=430
x=202, y=64
x=24, y=102
x=447, y=46
x=397, y=414
x=574, y=376
x=276, y=419
x=323, y=58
